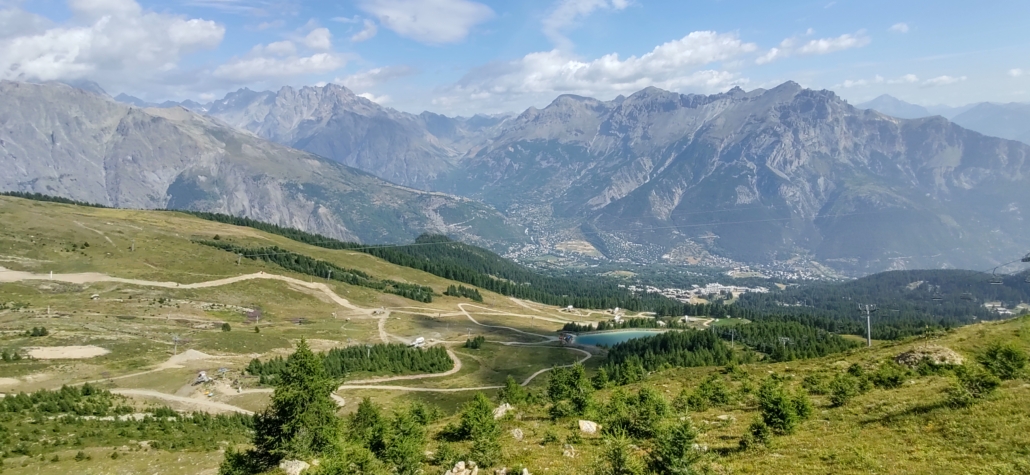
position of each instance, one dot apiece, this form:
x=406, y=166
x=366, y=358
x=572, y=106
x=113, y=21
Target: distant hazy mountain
x=135, y=101
x=63, y=141
x=757, y=176
x=895, y=107
x=1010, y=121
x=333, y=122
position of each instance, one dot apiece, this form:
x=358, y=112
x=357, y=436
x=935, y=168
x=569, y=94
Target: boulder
x=501, y=410
x=517, y=434
x=293, y=467
x=589, y=427
x=937, y=355
x=462, y=468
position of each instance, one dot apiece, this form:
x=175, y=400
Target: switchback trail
x=7, y=275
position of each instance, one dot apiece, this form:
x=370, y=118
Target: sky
x=461, y=57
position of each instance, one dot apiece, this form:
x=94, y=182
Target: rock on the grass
x=293, y=467
x=461, y=468
x=517, y=434
x=501, y=410
x=938, y=355
x=589, y=427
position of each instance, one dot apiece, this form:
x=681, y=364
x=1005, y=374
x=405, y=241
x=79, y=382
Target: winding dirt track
x=7, y=275
x=212, y=405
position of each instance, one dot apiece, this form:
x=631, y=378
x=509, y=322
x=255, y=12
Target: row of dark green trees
x=381, y=358
x=307, y=265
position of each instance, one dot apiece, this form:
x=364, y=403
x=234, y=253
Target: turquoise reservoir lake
x=612, y=338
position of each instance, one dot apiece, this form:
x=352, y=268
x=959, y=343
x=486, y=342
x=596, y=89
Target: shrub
x=815, y=384
x=226, y=327
x=618, y=458
x=779, y=409
x=446, y=456
x=971, y=386
x=475, y=343
x=889, y=375
x=843, y=388
x=758, y=434
x=81, y=456
x=477, y=419
x=1004, y=361
x=674, y=450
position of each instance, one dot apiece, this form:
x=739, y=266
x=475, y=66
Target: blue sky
x=465, y=56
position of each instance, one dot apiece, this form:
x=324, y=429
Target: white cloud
x=374, y=77
x=319, y=38
x=256, y=67
x=567, y=12
x=906, y=79
x=1016, y=72
x=268, y=25
x=849, y=83
x=943, y=81
x=366, y=33
x=789, y=46
x=899, y=28
x=429, y=21
x=374, y=98
x=281, y=48
x=675, y=65
x=831, y=45
x=112, y=41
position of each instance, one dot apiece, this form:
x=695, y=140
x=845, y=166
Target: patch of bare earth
x=67, y=352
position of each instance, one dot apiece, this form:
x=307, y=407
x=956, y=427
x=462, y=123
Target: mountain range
x=775, y=176
x=1008, y=121
x=759, y=176
x=59, y=140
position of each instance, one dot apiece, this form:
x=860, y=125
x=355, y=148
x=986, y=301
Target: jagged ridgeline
x=379, y=359
x=443, y=257
x=315, y=267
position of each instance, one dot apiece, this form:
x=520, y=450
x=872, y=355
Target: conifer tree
x=301, y=420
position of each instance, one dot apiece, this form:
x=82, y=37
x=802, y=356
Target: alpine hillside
x=59, y=140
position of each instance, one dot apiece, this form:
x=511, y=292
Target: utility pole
x=133, y=246
x=330, y=276
x=869, y=310
x=239, y=259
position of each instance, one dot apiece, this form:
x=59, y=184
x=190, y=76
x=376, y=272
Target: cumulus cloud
x=899, y=28
x=366, y=33
x=849, y=83
x=567, y=12
x=113, y=40
x=319, y=38
x=877, y=79
x=831, y=45
x=675, y=65
x=374, y=98
x=1016, y=72
x=942, y=81
x=280, y=48
x=906, y=79
x=374, y=77
x=790, y=46
x=428, y=21
x=258, y=67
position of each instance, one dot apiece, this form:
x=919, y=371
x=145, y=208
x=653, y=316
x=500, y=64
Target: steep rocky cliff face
x=333, y=122
x=59, y=140
x=760, y=176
